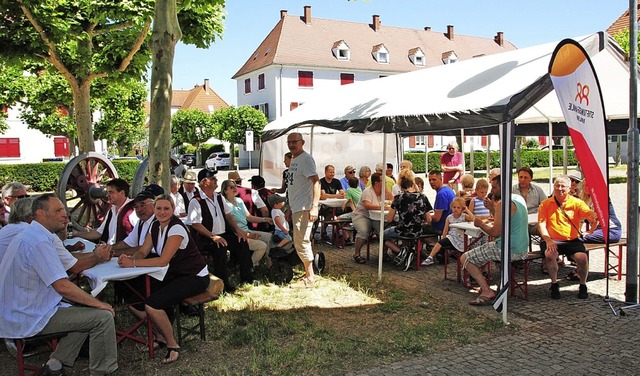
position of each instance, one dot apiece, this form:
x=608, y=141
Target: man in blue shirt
x=34, y=283
x=442, y=204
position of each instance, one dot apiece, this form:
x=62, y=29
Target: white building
x=303, y=56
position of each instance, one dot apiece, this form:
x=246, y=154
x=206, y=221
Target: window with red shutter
x=9, y=147
x=305, y=79
x=247, y=86
x=346, y=78
x=261, y=85
x=61, y=146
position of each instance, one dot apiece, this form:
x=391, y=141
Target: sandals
x=169, y=358
x=359, y=259
x=482, y=301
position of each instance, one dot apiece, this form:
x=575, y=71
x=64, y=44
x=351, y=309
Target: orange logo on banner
x=583, y=93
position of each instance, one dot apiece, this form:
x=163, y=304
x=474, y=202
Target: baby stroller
x=283, y=259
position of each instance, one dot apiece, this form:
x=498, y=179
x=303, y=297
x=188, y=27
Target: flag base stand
x=623, y=310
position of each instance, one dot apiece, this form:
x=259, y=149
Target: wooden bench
x=525, y=265
x=216, y=286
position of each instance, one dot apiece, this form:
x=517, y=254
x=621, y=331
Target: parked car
x=188, y=159
x=218, y=161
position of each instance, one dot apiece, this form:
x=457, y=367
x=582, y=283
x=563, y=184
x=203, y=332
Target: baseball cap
x=275, y=198
x=151, y=191
x=206, y=173
x=257, y=180
x=349, y=168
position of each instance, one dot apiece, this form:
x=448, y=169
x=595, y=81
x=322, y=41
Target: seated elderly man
x=11, y=192
x=361, y=219
x=349, y=172
x=34, y=284
x=19, y=220
x=492, y=251
x=559, y=221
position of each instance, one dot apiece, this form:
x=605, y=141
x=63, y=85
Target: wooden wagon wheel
x=141, y=177
x=82, y=189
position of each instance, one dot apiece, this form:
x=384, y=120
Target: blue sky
x=524, y=23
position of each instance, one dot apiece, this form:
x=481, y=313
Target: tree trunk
x=165, y=36
x=82, y=116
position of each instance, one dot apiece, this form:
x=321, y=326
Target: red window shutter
x=9, y=147
x=247, y=86
x=430, y=142
x=346, y=78
x=542, y=140
x=483, y=141
x=412, y=141
x=293, y=106
x=61, y=147
x=261, y=84
x=305, y=79
x=266, y=110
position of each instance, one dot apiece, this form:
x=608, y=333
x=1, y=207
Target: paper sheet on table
x=101, y=274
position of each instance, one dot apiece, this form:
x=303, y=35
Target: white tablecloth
x=532, y=218
x=469, y=228
x=100, y=274
x=333, y=202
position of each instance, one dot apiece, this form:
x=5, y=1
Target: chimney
x=307, y=14
x=283, y=13
x=206, y=84
x=499, y=38
x=450, y=32
x=427, y=28
x=376, y=23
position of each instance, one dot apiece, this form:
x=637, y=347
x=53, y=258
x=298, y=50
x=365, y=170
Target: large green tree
x=83, y=40
x=87, y=39
x=231, y=124
x=192, y=126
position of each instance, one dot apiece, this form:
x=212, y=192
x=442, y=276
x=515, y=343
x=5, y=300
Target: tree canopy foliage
x=192, y=126
x=85, y=40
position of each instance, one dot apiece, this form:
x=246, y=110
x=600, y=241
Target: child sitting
x=476, y=205
x=452, y=238
x=348, y=207
x=467, y=181
x=281, y=225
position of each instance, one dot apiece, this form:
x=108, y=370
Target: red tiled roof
x=621, y=24
x=199, y=97
x=293, y=42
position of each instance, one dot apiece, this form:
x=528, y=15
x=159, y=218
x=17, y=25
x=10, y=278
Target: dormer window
x=380, y=53
x=417, y=57
x=449, y=57
x=341, y=50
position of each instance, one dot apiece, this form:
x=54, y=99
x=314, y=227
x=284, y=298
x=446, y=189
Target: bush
x=531, y=158
x=45, y=177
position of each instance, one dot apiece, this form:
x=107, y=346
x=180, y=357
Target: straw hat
x=189, y=177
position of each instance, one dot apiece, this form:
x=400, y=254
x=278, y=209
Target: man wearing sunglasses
x=11, y=192
x=349, y=172
x=452, y=166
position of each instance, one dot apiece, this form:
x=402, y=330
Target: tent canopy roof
x=475, y=95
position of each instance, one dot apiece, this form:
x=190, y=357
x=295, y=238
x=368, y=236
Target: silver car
x=218, y=161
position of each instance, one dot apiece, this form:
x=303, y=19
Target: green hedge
x=44, y=177
x=531, y=158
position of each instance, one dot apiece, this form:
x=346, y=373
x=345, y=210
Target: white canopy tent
x=477, y=95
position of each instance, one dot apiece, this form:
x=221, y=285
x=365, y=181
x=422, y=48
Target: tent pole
x=382, y=198
x=631, y=291
x=550, y=158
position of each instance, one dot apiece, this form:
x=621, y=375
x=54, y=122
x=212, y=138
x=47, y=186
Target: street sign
x=249, y=140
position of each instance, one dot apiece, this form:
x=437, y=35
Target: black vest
x=186, y=261
x=207, y=221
